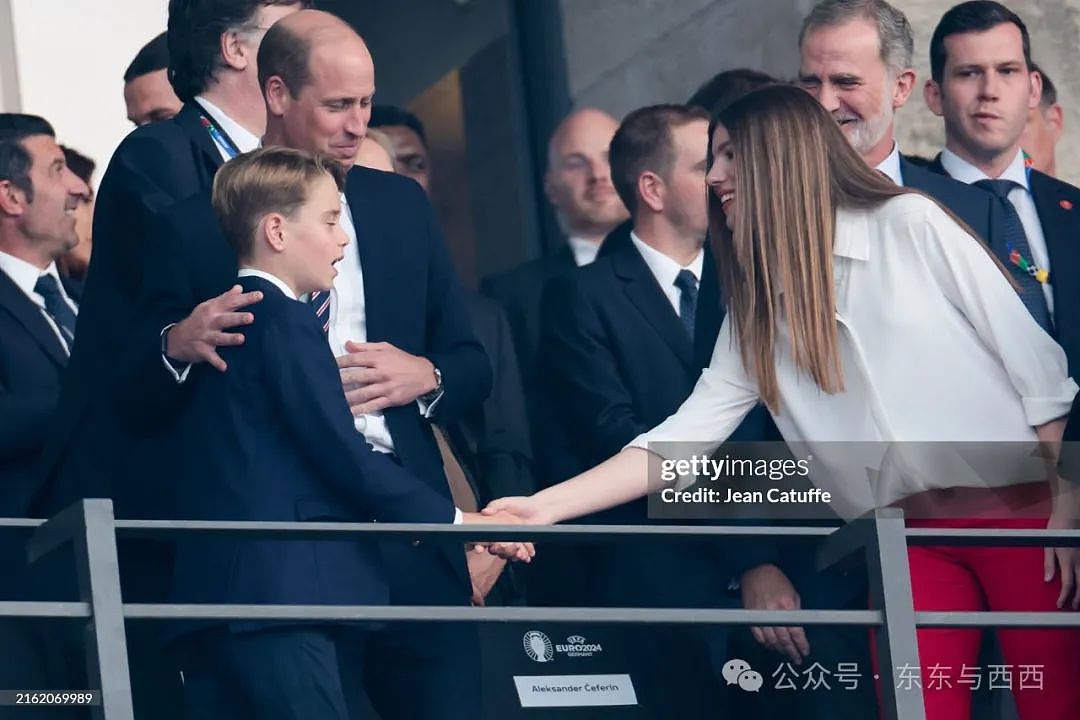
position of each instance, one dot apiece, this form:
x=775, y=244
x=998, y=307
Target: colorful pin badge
x=1065, y=205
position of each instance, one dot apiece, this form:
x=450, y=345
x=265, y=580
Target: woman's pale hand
x=528, y=510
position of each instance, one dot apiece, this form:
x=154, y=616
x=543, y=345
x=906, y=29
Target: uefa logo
x=538, y=646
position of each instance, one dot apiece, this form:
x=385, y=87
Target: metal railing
x=881, y=538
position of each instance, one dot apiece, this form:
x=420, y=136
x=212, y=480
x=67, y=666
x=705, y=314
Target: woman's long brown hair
x=794, y=168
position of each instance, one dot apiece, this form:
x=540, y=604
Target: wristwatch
x=433, y=395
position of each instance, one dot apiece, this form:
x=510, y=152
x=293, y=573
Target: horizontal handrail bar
x=7, y=522
x=455, y=533
x=1004, y=536
x=45, y=609
x=955, y=619
x=916, y=536
x=500, y=614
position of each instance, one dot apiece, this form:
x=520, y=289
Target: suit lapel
x=385, y=281
x=27, y=314
x=1059, y=226
x=644, y=292
x=189, y=118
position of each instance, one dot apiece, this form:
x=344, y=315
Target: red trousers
x=972, y=578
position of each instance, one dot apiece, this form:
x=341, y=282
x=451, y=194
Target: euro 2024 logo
x=538, y=646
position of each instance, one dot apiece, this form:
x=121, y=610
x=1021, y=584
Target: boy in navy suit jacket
x=272, y=438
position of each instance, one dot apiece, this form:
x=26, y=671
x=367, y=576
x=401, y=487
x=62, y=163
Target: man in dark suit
x=289, y=452
x=39, y=196
x=985, y=110
x=93, y=452
x=615, y=327
x=578, y=185
x=406, y=353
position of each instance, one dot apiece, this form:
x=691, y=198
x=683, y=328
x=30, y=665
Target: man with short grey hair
x=855, y=59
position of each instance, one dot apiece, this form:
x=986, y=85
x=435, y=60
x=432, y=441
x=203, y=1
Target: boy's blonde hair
x=272, y=179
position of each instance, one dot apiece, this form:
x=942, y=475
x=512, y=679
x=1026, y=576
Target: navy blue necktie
x=1031, y=292
x=688, y=289
x=320, y=303
x=48, y=288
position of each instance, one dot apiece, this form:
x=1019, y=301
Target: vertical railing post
x=98, y=568
x=890, y=592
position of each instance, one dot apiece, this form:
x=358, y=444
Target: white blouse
x=935, y=345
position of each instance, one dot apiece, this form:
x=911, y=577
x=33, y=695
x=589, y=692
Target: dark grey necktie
x=1014, y=237
x=61, y=313
x=688, y=290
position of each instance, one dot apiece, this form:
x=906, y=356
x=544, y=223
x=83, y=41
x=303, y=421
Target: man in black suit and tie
x=38, y=199
x=39, y=196
x=288, y=451
x=620, y=338
x=395, y=321
x=983, y=86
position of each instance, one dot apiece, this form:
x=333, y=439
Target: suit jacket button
x=415, y=543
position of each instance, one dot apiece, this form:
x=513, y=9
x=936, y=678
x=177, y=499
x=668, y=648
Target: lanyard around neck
x=218, y=135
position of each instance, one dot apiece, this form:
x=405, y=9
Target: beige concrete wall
x=1055, y=37
x=623, y=54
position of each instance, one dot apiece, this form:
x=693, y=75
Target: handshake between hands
x=507, y=511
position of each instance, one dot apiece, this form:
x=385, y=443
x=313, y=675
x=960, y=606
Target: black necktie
x=688, y=289
x=49, y=289
x=1031, y=292
x=320, y=303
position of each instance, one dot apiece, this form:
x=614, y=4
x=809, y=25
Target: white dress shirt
x=665, y=270
x=935, y=345
x=584, y=251
x=1021, y=199
x=245, y=140
x=281, y=285
x=348, y=321
x=891, y=166
x=25, y=276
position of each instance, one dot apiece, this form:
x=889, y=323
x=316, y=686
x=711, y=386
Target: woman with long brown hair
x=862, y=312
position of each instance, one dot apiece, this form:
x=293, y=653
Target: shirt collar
x=852, y=234
x=891, y=165
x=274, y=279
x=245, y=140
x=584, y=251
x=663, y=268
x=960, y=169
x=25, y=275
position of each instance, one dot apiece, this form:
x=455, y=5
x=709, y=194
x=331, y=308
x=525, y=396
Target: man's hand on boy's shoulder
x=197, y=337
x=379, y=375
